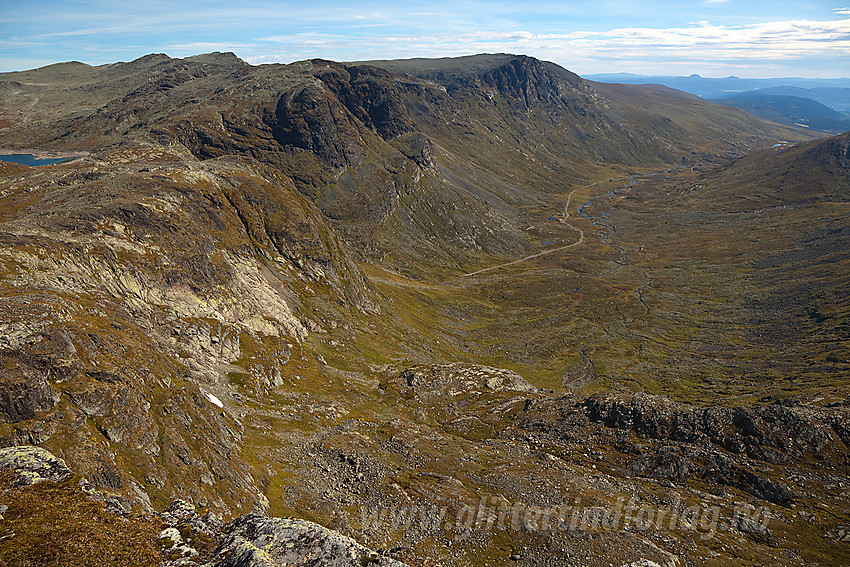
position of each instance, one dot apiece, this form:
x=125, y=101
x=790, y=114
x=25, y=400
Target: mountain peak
x=218, y=58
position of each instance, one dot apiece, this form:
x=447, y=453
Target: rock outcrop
x=324, y=117
x=255, y=541
x=724, y=447
x=33, y=464
x=25, y=391
x=431, y=382
x=370, y=94
x=312, y=119
x=775, y=433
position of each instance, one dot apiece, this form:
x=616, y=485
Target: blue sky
x=715, y=38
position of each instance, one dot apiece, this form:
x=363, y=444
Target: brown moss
x=56, y=524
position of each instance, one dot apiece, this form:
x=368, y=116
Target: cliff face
x=133, y=291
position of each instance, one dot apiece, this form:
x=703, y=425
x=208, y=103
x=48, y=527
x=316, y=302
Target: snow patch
x=214, y=400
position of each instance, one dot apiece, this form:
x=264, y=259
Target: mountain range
x=372, y=294
x=791, y=110
x=820, y=104
x=831, y=92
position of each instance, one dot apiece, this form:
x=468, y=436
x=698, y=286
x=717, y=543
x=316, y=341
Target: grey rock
x=841, y=533
x=181, y=556
x=185, y=528
x=183, y=512
x=256, y=541
x=169, y=537
x=24, y=390
x=179, y=511
x=33, y=464
x=716, y=443
x=752, y=527
x=773, y=433
x=430, y=382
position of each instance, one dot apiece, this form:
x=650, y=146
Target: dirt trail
x=399, y=280
x=563, y=220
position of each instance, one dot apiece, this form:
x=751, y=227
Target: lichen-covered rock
x=642, y=563
x=183, y=512
x=169, y=537
x=439, y=380
x=33, y=464
x=186, y=532
x=255, y=541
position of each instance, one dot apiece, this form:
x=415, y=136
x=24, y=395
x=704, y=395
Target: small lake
x=31, y=160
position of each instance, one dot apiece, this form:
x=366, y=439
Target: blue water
x=30, y=160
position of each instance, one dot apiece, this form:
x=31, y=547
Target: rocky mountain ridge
x=355, y=138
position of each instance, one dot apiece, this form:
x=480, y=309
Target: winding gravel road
x=553, y=250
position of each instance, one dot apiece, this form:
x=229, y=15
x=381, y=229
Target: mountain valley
x=464, y=311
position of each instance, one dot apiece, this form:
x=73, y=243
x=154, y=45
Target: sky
x=714, y=38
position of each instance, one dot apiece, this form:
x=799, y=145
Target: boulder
x=33, y=464
x=257, y=541
x=642, y=563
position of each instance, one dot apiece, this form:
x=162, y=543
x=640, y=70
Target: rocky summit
x=464, y=311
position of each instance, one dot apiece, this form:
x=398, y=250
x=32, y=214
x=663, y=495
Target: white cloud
x=274, y=31
x=703, y=44
x=206, y=47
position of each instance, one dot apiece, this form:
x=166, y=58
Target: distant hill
x=834, y=97
x=790, y=110
x=834, y=93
